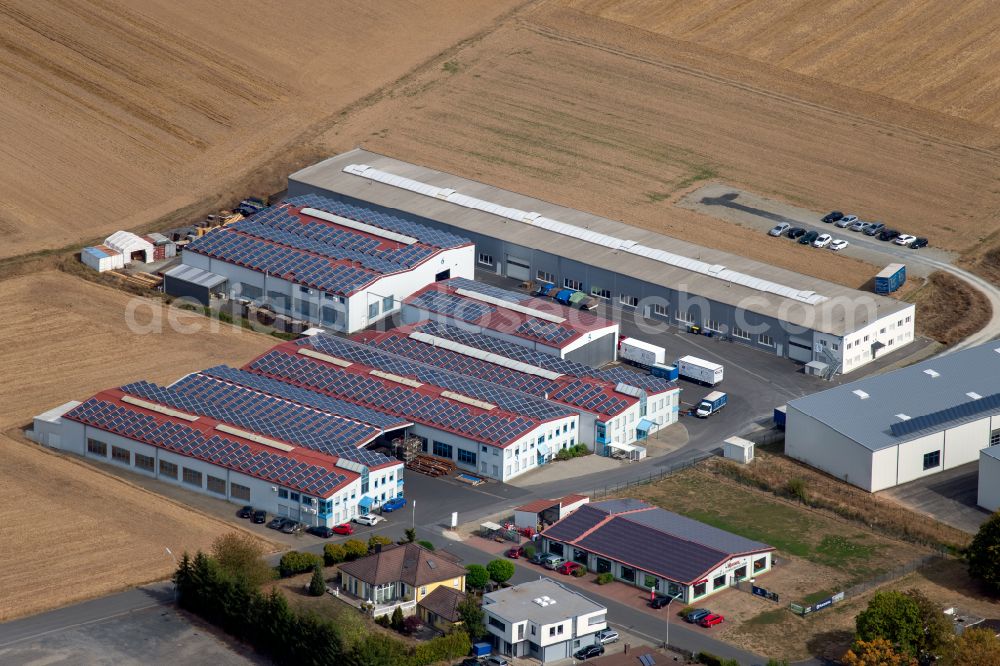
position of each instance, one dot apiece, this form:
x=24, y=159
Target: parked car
x=289, y=526
x=823, y=240
x=660, y=600
x=276, y=523
x=888, y=235
x=904, y=239
x=779, y=229
x=694, y=616
x=515, y=552
x=539, y=557
x=260, y=516
x=874, y=228
x=918, y=243
x=795, y=232
x=322, y=531
x=711, y=620
x=846, y=221
x=566, y=568
x=606, y=636
x=833, y=216
x=496, y=660
x=394, y=504
x=809, y=237
x=857, y=226
x=344, y=528
x=838, y=244
x=470, y=661
x=368, y=519
x=588, y=652
x=552, y=561
x=245, y=512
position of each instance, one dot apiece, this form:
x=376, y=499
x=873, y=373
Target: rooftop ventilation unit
x=312, y=353
x=902, y=417
x=254, y=437
x=861, y=394
x=973, y=395
x=932, y=373
x=405, y=381
x=458, y=397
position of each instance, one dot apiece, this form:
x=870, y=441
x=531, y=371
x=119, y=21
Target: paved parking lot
x=948, y=496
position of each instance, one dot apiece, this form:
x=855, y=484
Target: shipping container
x=668, y=372
x=890, y=279
x=642, y=354
x=780, y=414
x=699, y=370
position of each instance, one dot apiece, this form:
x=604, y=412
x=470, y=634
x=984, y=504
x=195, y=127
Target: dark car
x=695, y=616
x=888, y=234
x=919, y=243
x=260, y=516
x=276, y=523
x=589, y=651
x=875, y=228
x=289, y=526
x=470, y=661
x=795, y=232
x=660, y=600
x=538, y=557
x=809, y=237
x=833, y=216
x=322, y=531
x=245, y=512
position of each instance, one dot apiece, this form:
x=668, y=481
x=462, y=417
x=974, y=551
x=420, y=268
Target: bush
x=984, y=565
x=574, y=451
x=317, y=586
x=580, y=573
x=242, y=556
x=797, y=489
x=411, y=535
x=354, y=548
x=476, y=576
x=605, y=578
x=530, y=550
x=294, y=562
x=383, y=621
x=333, y=553
x=500, y=570
x=684, y=612
x=378, y=540
x=708, y=659
x=450, y=646
x=410, y=624
x=426, y=544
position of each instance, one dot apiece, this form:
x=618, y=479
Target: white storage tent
x=132, y=247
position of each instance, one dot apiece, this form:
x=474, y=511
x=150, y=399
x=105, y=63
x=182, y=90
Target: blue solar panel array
x=423, y=233
x=189, y=441
x=547, y=331
x=451, y=306
x=227, y=245
x=514, y=401
x=933, y=421
x=642, y=380
x=305, y=397
x=590, y=397
x=486, y=427
x=262, y=414
x=488, y=289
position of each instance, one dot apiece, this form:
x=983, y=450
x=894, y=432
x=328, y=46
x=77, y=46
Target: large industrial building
x=886, y=430
x=988, y=495
x=659, y=278
x=327, y=262
x=542, y=325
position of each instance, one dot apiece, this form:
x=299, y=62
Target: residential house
x=439, y=609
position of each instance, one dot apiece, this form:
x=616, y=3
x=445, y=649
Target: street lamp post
x=413, y=515
x=171, y=554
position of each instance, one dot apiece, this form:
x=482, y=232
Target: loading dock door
x=518, y=269
x=800, y=350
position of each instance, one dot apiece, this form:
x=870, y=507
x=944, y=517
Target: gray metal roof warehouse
x=725, y=278
x=883, y=411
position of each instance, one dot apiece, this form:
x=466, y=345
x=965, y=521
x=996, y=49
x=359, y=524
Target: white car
x=846, y=221
x=904, y=239
x=823, y=240
x=838, y=244
x=605, y=636
x=368, y=519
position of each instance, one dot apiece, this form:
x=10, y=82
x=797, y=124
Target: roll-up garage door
x=800, y=350
x=517, y=268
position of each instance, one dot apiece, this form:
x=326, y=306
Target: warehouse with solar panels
x=662, y=279
x=541, y=325
x=907, y=424
x=330, y=263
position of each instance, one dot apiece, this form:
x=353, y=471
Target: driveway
x=948, y=496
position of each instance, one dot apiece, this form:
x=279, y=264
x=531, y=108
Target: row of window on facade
x=309, y=309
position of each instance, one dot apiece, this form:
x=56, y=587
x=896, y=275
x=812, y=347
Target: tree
x=500, y=570
x=938, y=632
x=476, y=576
x=974, y=646
x=876, y=652
x=895, y=617
x=473, y=619
x=317, y=586
x=183, y=579
x=426, y=544
x=241, y=555
x=333, y=553
x=355, y=548
x=295, y=562
x=983, y=554
x=376, y=649
x=411, y=535
x=397, y=619
x=377, y=540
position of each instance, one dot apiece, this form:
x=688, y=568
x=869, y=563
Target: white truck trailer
x=642, y=354
x=699, y=370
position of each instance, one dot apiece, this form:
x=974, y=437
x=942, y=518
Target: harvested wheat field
x=596, y=114
x=116, y=113
x=65, y=338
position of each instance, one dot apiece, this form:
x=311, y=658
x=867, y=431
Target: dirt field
x=116, y=112
x=69, y=531
x=947, y=310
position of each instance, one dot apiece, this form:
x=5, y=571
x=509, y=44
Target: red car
x=567, y=568
x=711, y=620
x=515, y=552
x=343, y=529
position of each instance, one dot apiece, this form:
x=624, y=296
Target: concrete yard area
x=948, y=496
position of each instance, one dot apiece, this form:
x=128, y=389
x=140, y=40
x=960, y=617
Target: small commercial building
x=541, y=620
x=183, y=281
x=989, y=478
x=539, y=513
x=542, y=325
x=656, y=550
x=332, y=264
x=102, y=258
x=904, y=425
